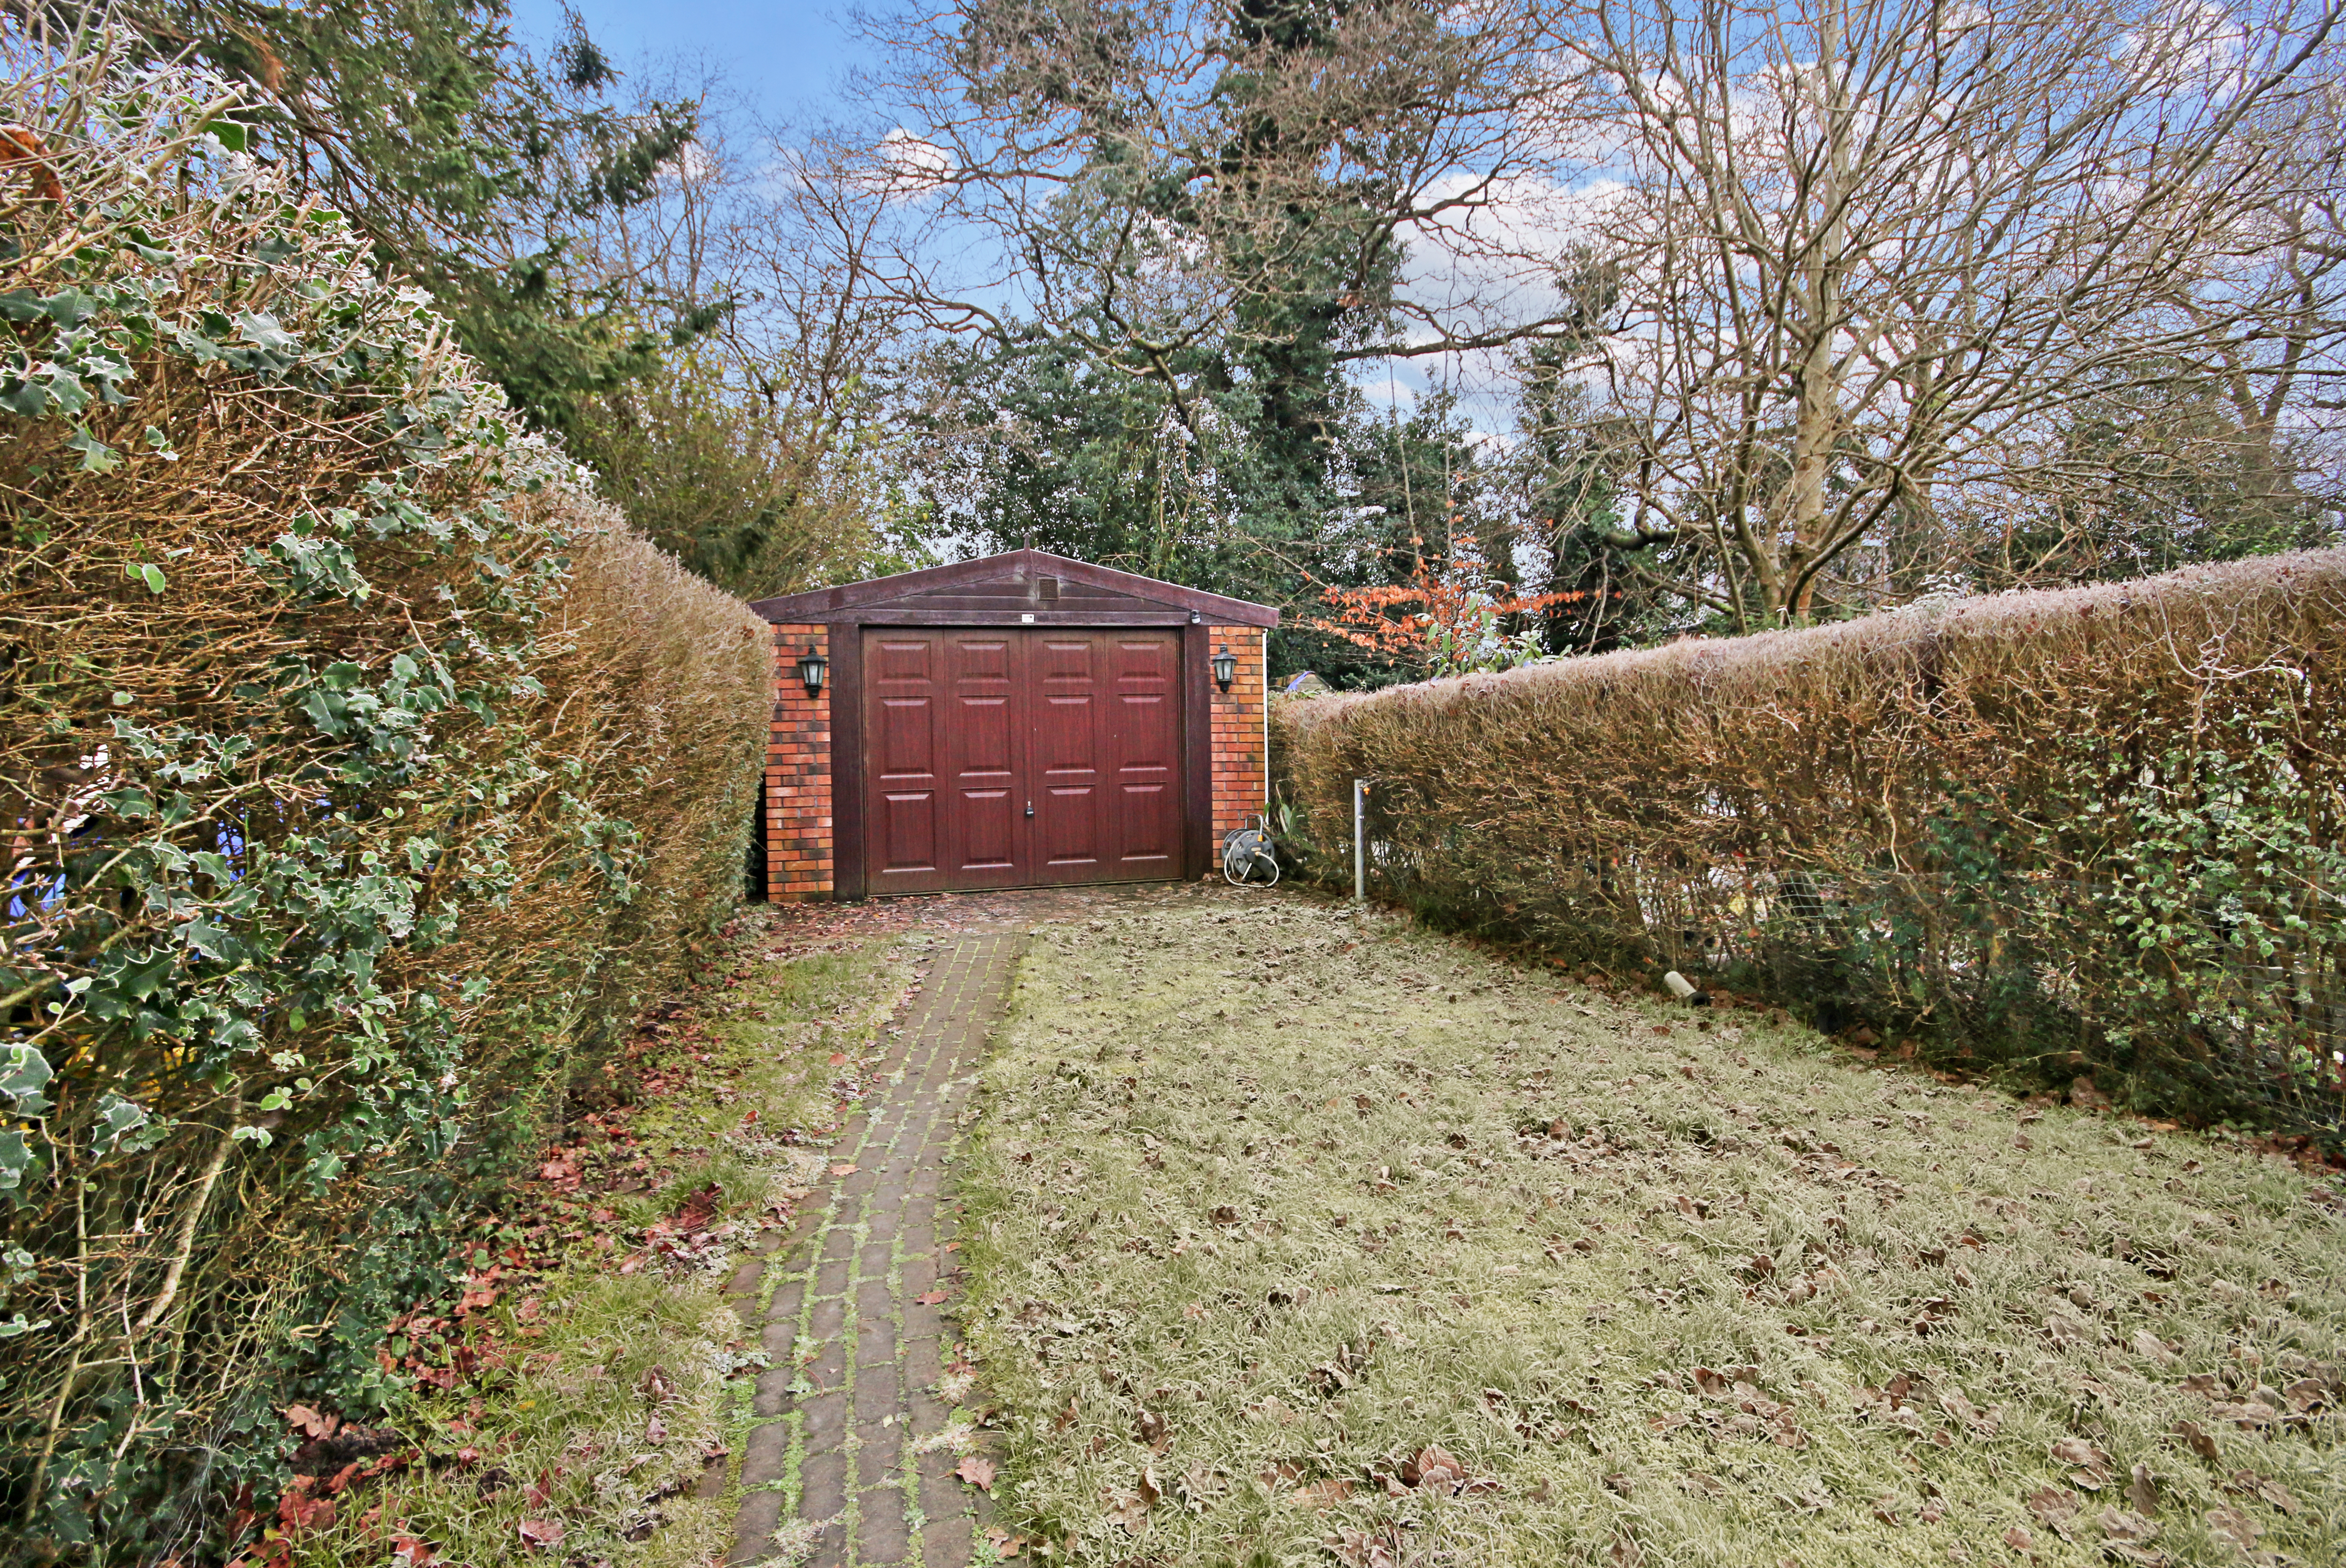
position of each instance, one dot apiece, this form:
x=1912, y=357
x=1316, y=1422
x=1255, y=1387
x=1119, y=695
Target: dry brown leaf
x=1364, y=1549
x=541, y=1535
x=2142, y=1490
x=1434, y=1469
x=2054, y=1507
x=2093, y=1466
x=978, y=1471
x=2271, y=1491
x=311, y=1423
x=2231, y=1524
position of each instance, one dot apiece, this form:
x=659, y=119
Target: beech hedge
x=361, y=775
x=2092, y=832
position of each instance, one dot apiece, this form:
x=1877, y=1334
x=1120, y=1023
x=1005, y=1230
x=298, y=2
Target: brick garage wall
x=798, y=774
x=1241, y=782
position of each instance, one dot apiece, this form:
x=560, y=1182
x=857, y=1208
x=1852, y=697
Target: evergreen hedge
x=361, y=775
x=2085, y=831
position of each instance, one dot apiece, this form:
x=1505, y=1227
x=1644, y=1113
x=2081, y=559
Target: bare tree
x=763, y=452
x=1869, y=251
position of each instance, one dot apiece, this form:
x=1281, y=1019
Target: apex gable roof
x=1019, y=586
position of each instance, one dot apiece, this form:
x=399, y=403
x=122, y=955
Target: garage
x=1020, y=720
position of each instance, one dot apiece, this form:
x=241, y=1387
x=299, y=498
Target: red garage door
x=1013, y=759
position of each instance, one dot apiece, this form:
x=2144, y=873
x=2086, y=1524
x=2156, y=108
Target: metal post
x=1360, y=840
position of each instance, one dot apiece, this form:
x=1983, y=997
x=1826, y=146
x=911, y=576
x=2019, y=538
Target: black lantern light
x=1226, y=668
x=813, y=666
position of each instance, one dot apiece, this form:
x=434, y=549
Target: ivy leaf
x=15, y=1158
x=97, y=457
x=124, y=1124
x=23, y=1072
x=262, y=329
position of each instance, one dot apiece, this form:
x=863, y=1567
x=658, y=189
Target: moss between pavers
x=1267, y=1206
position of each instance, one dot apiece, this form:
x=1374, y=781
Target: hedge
x=363, y=773
x=2085, y=831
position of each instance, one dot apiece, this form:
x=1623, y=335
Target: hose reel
x=1247, y=855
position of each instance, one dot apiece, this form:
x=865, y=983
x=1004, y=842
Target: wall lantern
x=1226, y=668
x=813, y=666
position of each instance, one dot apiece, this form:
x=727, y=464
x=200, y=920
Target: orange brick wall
x=1241, y=782
x=798, y=774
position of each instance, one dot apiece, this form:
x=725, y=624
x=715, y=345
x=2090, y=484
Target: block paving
x=848, y=1280
x=840, y=1458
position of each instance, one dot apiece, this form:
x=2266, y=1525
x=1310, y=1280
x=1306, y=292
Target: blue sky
x=785, y=59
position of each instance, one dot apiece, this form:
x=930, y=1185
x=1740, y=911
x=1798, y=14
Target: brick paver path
x=843, y=1454
x=840, y=1457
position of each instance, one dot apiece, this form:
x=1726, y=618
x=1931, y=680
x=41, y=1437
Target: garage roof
x=1020, y=587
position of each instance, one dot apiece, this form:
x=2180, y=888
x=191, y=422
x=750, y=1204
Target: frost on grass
x=1301, y=1238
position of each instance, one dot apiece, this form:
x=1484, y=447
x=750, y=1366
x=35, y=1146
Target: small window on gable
x=1050, y=586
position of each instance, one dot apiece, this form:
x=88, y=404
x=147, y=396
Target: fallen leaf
x=929, y=1298
x=1363, y=1549
x=542, y=1533
x=2054, y=1507
x=2119, y=1524
x=1435, y=1470
x=1128, y=1511
x=844, y=1169
x=2199, y=1441
x=2142, y=1491
x=2093, y=1466
x=2078, y=1450
x=311, y=1423
x=978, y=1471
x=2231, y=1524
x=2019, y=1540
x=2248, y=1483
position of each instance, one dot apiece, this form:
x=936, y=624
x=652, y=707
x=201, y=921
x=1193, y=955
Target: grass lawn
x=1298, y=1239
x=591, y=1366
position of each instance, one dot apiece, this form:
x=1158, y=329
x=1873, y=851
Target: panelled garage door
x=1009, y=759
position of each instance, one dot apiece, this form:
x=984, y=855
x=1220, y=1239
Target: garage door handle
x=1030, y=807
